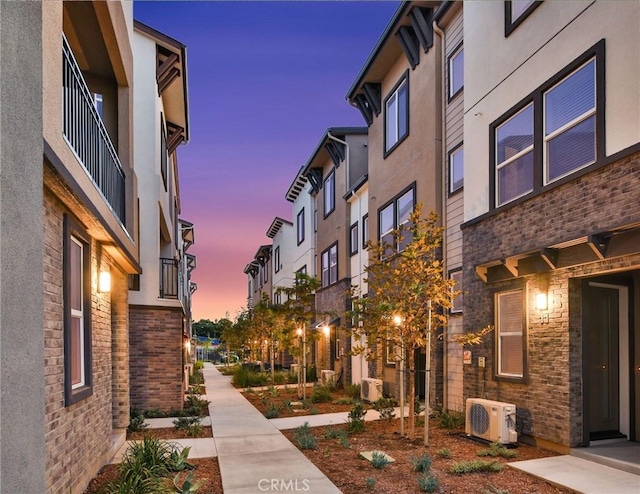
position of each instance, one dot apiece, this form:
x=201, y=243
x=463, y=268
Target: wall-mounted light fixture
x=104, y=282
x=397, y=320
x=326, y=330
x=542, y=304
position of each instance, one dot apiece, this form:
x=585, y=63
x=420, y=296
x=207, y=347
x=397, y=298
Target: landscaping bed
x=339, y=459
x=170, y=433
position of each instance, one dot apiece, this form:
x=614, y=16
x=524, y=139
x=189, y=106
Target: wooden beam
x=165, y=66
x=421, y=20
x=365, y=109
x=598, y=244
x=511, y=264
x=166, y=81
x=550, y=256
x=373, y=94
x=409, y=43
x=481, y=272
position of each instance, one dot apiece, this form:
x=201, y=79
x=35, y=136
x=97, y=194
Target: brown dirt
x=347, y=471
x=262, y=400
x=168, y=433
x=206, y=470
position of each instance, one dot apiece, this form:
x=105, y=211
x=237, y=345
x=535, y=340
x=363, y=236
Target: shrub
x=370, y=482
x=331, y=433
x=496, y=449
x=417, y=406
x=304, y=438
x=344, y=401
x=321, y=394
x=474, y=466
x=199, y=365
x=191, y=425
x=355, y=422
x=444, y=453
x=313, y=411
x=154, y=413
x=428, y=483
x=196, y=389
x=379, y=460
x=352, y=390
x=272, y=412
x=178, y=460
x=312, y=374
x=451, y=419
x=196, y=378
x=187, y=486
x=137, y=423
x=194, y=405
x=421, y=463
x=384, y=406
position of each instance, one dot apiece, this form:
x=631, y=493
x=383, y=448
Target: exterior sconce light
x=326, y=330
x=299, y=331
x=397, y=320
x=104, y=282
x=542, y=305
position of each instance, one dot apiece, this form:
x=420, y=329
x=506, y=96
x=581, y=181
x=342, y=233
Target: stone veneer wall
x=155, y=357
x=550, y=402
x=78, y=438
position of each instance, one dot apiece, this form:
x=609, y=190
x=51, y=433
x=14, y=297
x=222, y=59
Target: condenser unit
x=371, y=389
x=327, y=377
x=491, y=420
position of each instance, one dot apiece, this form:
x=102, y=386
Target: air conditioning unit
x=491, y=420
x=327, y=377
x=371, y=389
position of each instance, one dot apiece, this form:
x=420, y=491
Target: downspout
x=443, y=160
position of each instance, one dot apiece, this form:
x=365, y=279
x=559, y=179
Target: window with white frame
x=456, y=169
x=276, y=259
x=456, y=71
x=329, y=265
x=300, y=226
x=457, y=299
x=397, y=114
x=510, y=334
x=566, y=135
x=77, y=308
x=354, y=239
x=395, y=216
x=329, y=193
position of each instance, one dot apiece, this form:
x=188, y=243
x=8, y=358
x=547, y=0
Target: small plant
x=196, y=389
x=304, y=438
x=355, y=422
x=331, y=433
x=417, y=407
x=444, y=453
x=428, y=483
x=154, y=413
x=178, y=460
x=421, y=463
x=494, y=490
x=343, y=401
x=196, y=378
x=273, y=411
x=191, y=425
x=474, y=466
x=287, y=405
x=327, y=451
x=370, y=482
x=496, y=449
x=314, y=411
x=384, y=406
x=137, y=423
x=194, y=405
x=273, y=391
x=187, y=486
x=352, y=390
x=379, y=460
x=344, y=442
x=451, y=419
x=321, y=394
x=199, y=365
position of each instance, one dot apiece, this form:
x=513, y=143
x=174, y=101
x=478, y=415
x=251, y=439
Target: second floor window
x=329, y=265
x=276, y=259
x=365, y=230
x=394, y=216
x=354, y=239
x=300, y=226
x=456, y=72
x=397, y=115
x=329, y=193
x=456, y=169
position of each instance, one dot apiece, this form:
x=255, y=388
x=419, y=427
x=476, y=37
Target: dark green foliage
x=370, y=482
x=476, y=466
x=321, y=394
x=428, y=483
x=496, y=449
x=379, y=460
x=304, y=438
x=191, y=425
x=421, y=463
x=451, y=419
x=244, y=378
x=385, y=407
x=312, y=374
x=137, y=423
x=194, y=405
x=355, y=422
x=352, y=390
x=273, y=411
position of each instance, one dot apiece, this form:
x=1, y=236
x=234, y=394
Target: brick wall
x=155, y=357
x=550, y=403
x=77, y=438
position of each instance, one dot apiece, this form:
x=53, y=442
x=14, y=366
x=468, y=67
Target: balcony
x=168, y=278
x=85, y=133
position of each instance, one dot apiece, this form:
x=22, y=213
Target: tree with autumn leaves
x=406, y=289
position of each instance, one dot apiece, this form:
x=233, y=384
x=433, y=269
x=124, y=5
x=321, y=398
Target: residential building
x=159, y=303
x=69, y=240
x=551, y=237
x=338, y=162
x=305, y=224
x=282, y=233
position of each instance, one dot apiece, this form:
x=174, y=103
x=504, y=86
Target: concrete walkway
x=253, y=455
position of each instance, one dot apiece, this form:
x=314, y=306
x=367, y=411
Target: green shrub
x=178, y=460
x=321, y=394
x=379, y=460
x=244, y=378
x=137, y=423
x=344, y=401
x=196, y=378
x=428, y=483
x=355, y=422
x=417, y=406
x=474, y=466
x=352, y=390
x=331, y=433
x=304, y=438
x=312, y=374
x=273, y=411
x=496, y=449
x=451, y=419
x=370, y=482
x=199, y=365
x=385, y=407
x=187, y=486
x=191, y=425
x=194, y=405
x=313, y=411
x=196, y=389
x=154, y=413
x=421, y=463
x=444, y=453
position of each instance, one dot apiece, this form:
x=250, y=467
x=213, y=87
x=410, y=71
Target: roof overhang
x=263, y=254
x=187, y=233
x=252, y=269
x=296, y=187
x=276, y=225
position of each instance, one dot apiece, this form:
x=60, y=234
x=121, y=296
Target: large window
x=555, y=132
x=77, y=312
x=456, y=71
x=456, y=169
x=516, y=11
x=300, y=226
x=510, y=334
x=329, y=265
x=354, y=239
x=329, y=193
x=395, y=216
x=397, y=114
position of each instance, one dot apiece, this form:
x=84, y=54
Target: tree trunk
x=273, y=372
x=412, y=394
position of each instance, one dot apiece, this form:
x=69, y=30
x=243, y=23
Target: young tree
x=407, y=293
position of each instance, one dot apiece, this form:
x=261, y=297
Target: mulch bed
x=169, y=433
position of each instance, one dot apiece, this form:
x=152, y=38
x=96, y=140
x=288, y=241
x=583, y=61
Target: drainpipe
x=443, y=160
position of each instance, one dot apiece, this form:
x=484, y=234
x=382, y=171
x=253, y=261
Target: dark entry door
x=602, y=379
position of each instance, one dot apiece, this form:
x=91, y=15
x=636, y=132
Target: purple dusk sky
x=265, y=81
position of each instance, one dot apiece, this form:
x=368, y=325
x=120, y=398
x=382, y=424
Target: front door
x=601, y=362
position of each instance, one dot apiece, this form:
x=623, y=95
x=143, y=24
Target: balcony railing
x=168, y=278
x=86, y=134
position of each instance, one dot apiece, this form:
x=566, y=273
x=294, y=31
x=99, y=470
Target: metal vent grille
x=479, y=418
x=365, y=388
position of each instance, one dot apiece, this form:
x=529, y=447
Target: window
x=163, y=152
x=265, y=269
x=365, y=230
x=515, y=12
x=276, y=259
x=510, y=334
x=329, y=193
x=553, y=133
x=354, y=239
x=456, y=72
x=77, y=312
x=300, y=226
x=456, y=169
x=457, y=300
x=329, y=265
x=397, y=114
x=395, y=216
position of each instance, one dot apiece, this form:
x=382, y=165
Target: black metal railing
x=168, y=278
x=83, y=129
